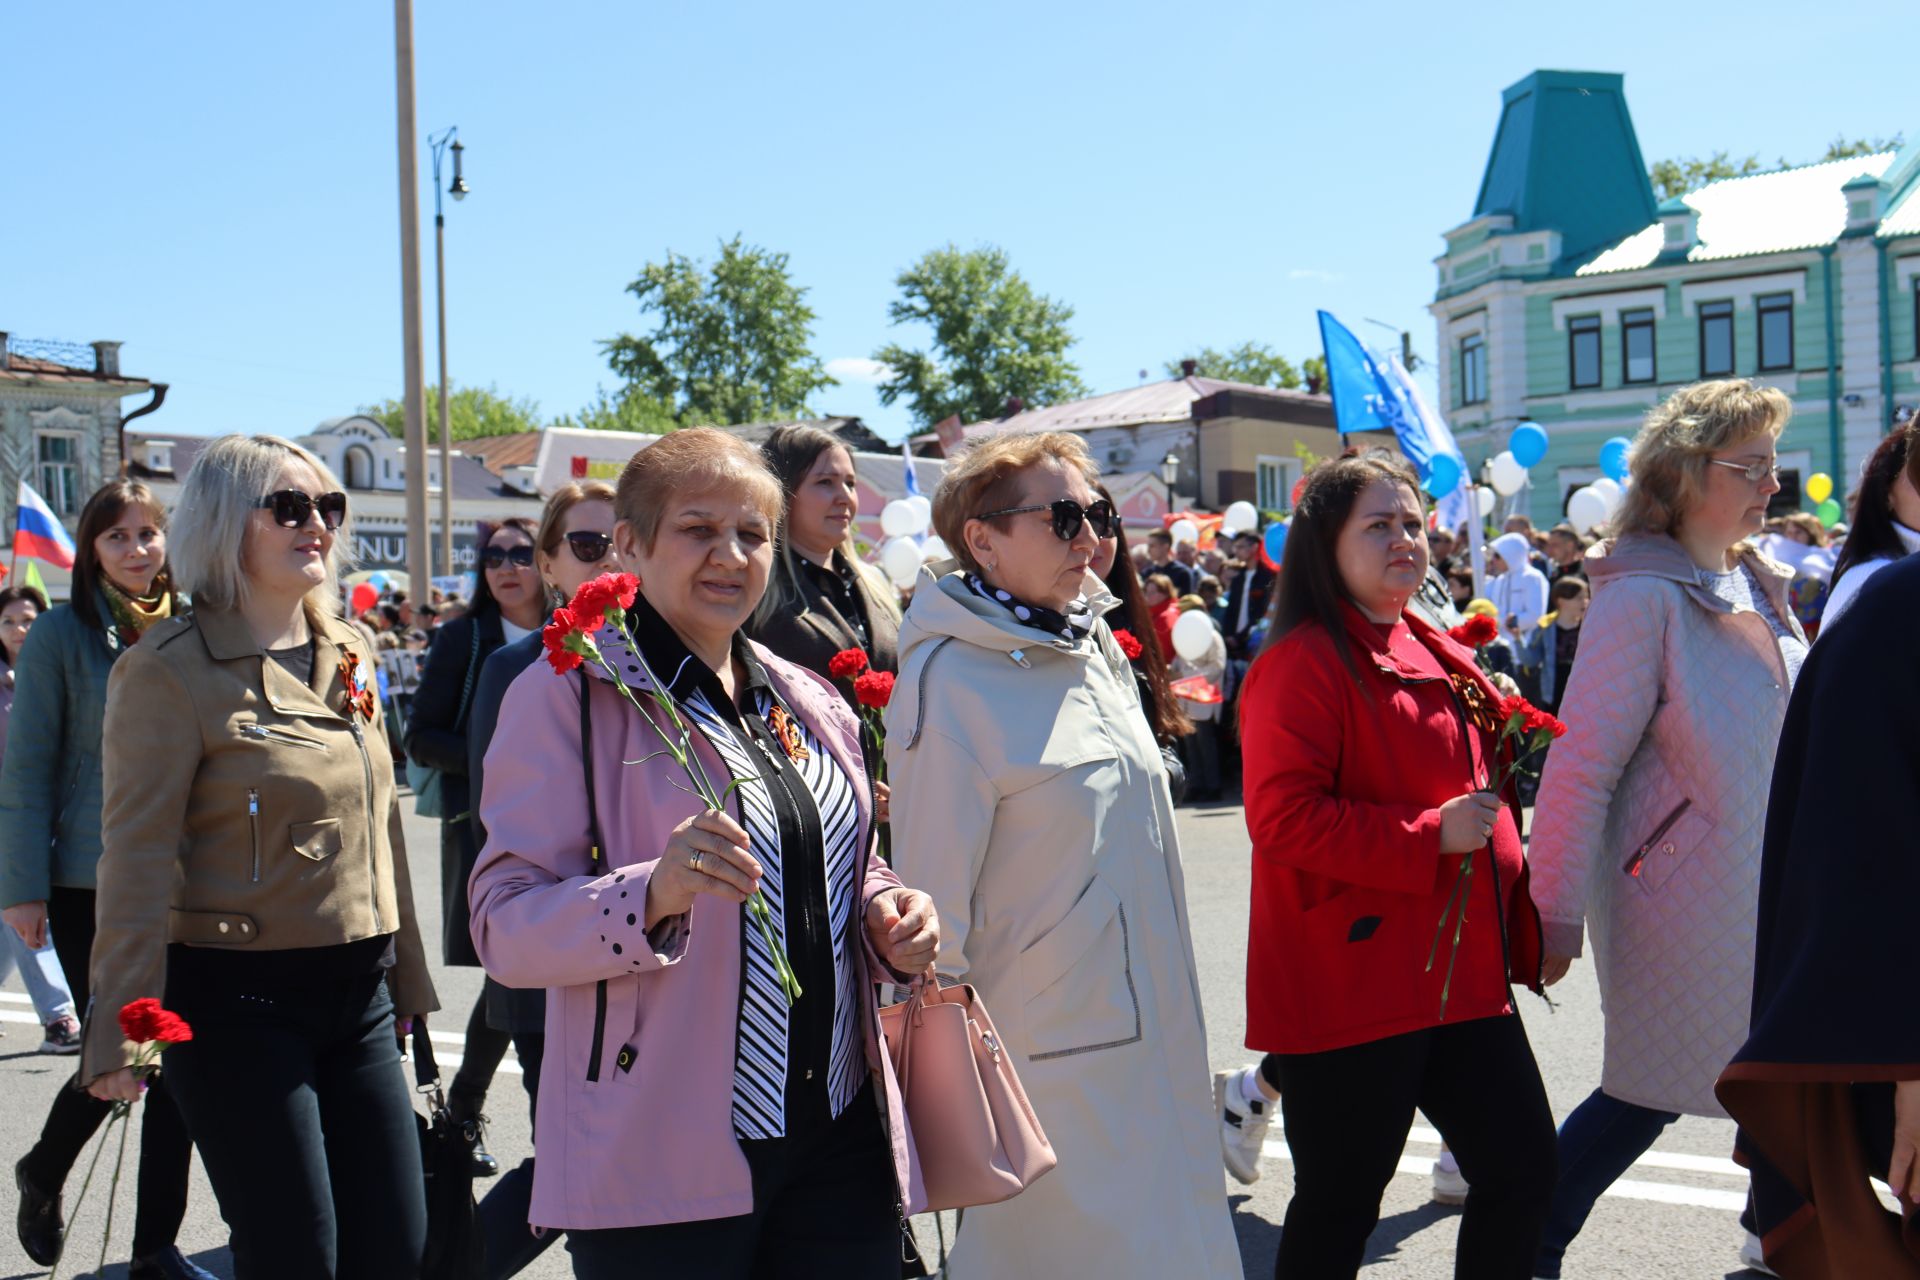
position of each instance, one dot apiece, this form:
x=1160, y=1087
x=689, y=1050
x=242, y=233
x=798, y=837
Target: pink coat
x=650, y=1140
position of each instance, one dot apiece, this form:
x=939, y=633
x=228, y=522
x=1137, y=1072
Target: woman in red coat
x=1369, y=744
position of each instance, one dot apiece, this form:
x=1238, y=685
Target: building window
x=1636, y=346
x=1916, y=318
x=1716, y=339
x=1273, y=483
x=1473, y=369
x=1776, y=330
x=59, y=478
x=1583, y=351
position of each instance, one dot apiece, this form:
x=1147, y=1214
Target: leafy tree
x=731, y=341
x=1672, y=178
x=1254, y=363
x=1314, y=370
x=1841, y=149
x=625, y=411
x=471, y=412
x=993, y=338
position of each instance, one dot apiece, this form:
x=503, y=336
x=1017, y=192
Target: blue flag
x=913, y=480
x=1375, y=393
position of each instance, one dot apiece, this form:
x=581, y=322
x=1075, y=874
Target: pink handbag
x=973, y=1128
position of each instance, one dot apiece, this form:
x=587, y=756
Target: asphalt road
x=1673, y=1217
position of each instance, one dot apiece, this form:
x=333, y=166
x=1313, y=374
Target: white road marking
x=1652, y=1160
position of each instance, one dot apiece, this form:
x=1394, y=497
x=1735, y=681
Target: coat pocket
x=316, y=841
x=1684, y=830
x=1079, y=980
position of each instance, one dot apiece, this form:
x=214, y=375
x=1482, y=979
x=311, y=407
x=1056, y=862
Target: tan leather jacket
x=243, y=809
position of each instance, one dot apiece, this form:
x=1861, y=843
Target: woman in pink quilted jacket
x=1648, y=826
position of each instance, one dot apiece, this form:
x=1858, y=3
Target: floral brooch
x=787, y=734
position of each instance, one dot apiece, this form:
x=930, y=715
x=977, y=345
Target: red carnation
x=847, y=664
x=874, y=689
x=1478, y=630
x=555, y=636
x=1128, y=644
x=144, y=1021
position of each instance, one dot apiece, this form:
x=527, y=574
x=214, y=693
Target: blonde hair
x=553, y=518
x=1669, y=457
x=207, y=549
x=988, y=476
x=691, y=460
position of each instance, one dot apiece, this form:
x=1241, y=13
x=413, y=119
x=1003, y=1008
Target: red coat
x=1163, y=620
x=1344, y=783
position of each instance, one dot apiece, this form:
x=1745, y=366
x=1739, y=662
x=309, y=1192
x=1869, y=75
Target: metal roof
x=1762, y=213
x=1171, y=400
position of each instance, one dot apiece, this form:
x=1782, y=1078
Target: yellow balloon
x=1819, y=486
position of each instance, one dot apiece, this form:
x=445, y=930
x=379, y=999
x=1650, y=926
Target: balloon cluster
x=1820, y=489
x=1595, y=504
x=905, y=522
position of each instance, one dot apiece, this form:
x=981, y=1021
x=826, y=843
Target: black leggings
x=301, y=1110
x=166, y=1153
x=1347, y=1112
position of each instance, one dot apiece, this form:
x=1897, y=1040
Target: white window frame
x=1274, y=478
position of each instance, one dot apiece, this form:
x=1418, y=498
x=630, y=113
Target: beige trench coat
x=1030, y=800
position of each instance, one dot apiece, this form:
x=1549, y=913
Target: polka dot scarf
x=1071, y=625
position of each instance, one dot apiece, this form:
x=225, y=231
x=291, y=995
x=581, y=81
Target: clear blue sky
x=215, y=185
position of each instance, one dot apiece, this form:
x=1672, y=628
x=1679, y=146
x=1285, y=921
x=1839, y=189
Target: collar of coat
x=229, y=639
x=1388, y=652
x=1655, y=555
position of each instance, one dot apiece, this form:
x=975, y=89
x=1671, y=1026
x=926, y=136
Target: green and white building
x=1574, y=300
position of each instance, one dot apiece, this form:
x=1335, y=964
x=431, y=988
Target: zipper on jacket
x=253, y=826
x=1632, y=867
x=272, y=733
x=373, y=864
x=599, y=1029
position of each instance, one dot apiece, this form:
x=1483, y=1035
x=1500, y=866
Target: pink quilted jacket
x=1673, y=713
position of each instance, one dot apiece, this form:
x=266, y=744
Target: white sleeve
x=1843, y=592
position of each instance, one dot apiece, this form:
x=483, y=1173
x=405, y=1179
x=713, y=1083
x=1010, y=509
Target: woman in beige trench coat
x=1030, y=800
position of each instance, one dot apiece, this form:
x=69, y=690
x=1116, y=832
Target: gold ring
x=694, y=861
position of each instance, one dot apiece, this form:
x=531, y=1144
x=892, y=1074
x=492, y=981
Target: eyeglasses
x=589, y=547
x=292, y=508
x=1068, y=516
x=1755, y=472
x=495, y=557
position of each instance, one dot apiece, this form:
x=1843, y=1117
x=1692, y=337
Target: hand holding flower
x=706, y=854
x=1467, y=821
x=882, y=802
x=128, y=1084
x=904, y=929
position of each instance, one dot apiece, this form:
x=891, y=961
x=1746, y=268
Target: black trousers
x=1347, y=1112
x=823, y=1209
x=166, y=1153
x=302, y=1114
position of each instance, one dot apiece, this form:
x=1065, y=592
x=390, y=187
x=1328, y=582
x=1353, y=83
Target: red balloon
x=1299, y=487
x=365, y=596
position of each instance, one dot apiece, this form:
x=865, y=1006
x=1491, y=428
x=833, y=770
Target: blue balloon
x=1528, y=444
x=1443, y=474
x=378, y=581
x=1613, y=457
x=1276, y=540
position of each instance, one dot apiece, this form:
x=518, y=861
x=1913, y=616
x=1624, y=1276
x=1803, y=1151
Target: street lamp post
x=458, y=190
x=1170, y=472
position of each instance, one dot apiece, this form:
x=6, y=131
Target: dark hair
x=1872, y=535
x=1160, y=535
x=1164, y=715
x=1568, y=588
x=1309, y=588
x=102, y=512
x=483, y=601
x=13, y=595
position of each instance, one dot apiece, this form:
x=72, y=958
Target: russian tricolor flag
x=38, y=535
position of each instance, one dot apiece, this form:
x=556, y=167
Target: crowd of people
x=199, y=803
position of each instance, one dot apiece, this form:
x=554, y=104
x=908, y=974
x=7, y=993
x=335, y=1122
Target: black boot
x=167, y=1264
x=42, y=1230
x=463, y=1109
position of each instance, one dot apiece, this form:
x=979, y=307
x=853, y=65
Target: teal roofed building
x=1574, y=299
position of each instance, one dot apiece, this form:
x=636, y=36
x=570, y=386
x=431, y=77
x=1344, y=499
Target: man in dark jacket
x=1247, y=601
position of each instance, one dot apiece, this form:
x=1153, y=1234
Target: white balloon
x=1185, y=531
x=1485, y=497
x=1609, y=488
x=897, y=518
x=1240, y=517
x=1587, y=509
x=1508, y=476
x=922, y=511
x=1193, y=635
x=901, y=559
x=934, y=549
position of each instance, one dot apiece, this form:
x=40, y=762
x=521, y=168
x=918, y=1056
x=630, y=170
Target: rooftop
x=42, y=362
x=1171, y=400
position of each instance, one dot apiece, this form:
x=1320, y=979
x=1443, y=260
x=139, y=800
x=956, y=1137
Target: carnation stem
x=121, y=1112
x=80, y=1200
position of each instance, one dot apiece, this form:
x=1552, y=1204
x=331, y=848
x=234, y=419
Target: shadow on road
x=1260, y=1239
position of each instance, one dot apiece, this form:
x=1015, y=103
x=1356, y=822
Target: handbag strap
x=586, y=765
x=466, y=689
x=426, y=1072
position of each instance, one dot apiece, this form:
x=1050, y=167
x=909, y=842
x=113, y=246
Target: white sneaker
x=1243, y=1126
x=1754, y=1258
x=1449, y=1185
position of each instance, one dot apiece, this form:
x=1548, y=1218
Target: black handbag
x=446, y=1158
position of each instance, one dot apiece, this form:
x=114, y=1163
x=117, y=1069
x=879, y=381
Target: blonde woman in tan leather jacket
x=254, y=877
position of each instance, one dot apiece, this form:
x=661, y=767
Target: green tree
x=1841, y=149
x=1254, y=363
x=471, y=412
x=993, y=338
x=624, y=411
x=1672, y=178
x=1314, y=370
x=731, y=341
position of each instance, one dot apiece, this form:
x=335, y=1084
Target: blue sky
x=218, y=190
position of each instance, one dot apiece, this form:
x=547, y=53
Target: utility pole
x=459, y=192
x=419, y=559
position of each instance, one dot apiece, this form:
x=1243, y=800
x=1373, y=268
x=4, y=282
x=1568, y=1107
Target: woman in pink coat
x=692, y=1122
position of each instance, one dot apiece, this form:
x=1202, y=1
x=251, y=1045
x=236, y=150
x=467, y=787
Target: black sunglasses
x=494, y=557
x=1068, y=516
x=589, y=547
x=292, y=508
